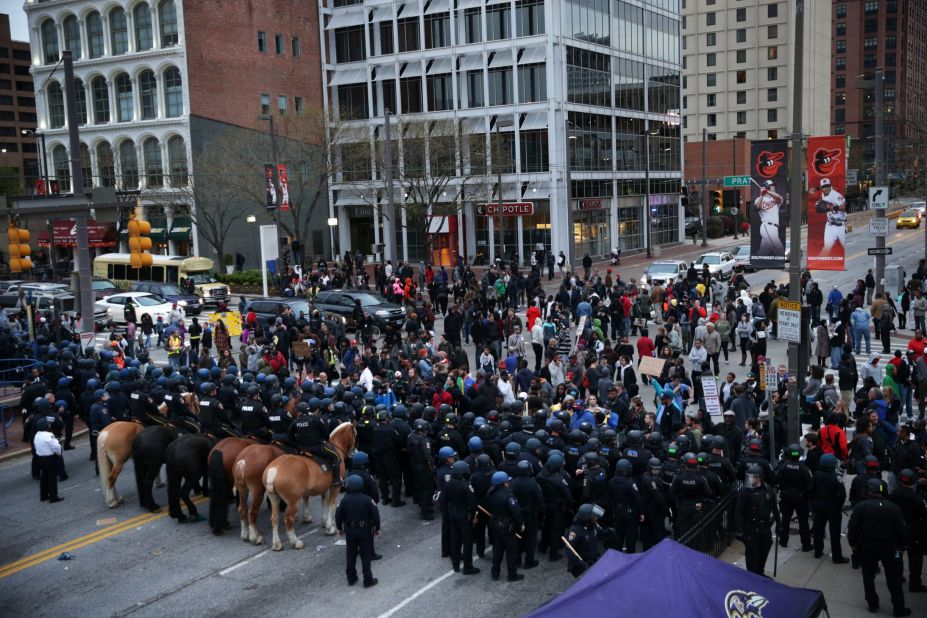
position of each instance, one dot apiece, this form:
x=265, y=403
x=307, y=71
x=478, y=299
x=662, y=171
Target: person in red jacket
x=917, y=344
x=533, y=313
x=441, y=396
x=832, y=438
x=645, y=347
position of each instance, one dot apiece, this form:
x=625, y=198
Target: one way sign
x=878, y=197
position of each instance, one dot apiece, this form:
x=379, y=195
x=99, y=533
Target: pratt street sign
x=736, y=181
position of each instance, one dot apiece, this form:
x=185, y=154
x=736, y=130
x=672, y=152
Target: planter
x=229, y=269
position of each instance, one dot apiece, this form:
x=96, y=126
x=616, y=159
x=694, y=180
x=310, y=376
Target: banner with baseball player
x=768, y=216
x=827, y=208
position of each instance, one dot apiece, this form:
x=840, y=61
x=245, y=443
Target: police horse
x=248, y=476
x=294, y=477
x=114, y=447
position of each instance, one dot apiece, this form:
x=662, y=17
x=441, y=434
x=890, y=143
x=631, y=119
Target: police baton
x=489, y=515
x=570, y=547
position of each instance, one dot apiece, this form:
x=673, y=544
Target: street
x=127, y=561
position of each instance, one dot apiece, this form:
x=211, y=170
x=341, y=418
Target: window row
x=119, y=32
x=120, y=168
x=627, y=27
x=280, y=44
x=133, y=98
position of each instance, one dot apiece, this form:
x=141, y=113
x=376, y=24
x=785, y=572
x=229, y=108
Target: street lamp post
x=332, y=222
x=43, y=155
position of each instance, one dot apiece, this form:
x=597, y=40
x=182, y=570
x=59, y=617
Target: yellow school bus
x=164, y=269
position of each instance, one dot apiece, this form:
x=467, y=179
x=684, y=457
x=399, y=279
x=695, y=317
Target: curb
x=17, y=454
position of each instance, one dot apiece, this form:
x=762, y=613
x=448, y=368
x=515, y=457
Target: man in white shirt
x=366, y=378
x=47, y=450
x=767, y=207
x=835, y=230
x=504, y=385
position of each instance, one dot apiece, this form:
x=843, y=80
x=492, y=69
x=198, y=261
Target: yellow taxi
x=909, y=218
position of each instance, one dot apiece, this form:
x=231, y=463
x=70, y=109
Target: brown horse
x=114, y=448
x=221, y=459
x=248, y=472
x=293, y=477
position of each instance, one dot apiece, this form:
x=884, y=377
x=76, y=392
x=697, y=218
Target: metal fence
x=714, y=531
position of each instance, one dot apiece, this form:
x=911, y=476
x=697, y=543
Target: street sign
x=852, y=177
x=734, y=211
x=878, y=227
x=736, y=181
x=772, y=379
x=878, y=197
x=790, y=321
x=879, y=251
x=506, y=209
x=762, y=381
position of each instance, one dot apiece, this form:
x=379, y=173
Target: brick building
x=18, y=150
x=158, y=81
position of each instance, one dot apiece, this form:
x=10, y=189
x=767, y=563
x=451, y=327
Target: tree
x=10, y=183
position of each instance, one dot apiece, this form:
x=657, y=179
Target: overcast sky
x=18, y=25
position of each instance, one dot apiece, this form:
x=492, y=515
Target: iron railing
x=714, y=531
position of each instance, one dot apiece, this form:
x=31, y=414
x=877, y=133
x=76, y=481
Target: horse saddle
x=322, y=462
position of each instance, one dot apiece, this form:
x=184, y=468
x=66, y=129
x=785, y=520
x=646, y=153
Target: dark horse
x=186, y=459
x=221, y=459
x=148, y=453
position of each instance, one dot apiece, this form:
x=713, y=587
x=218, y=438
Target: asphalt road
x=130, y=562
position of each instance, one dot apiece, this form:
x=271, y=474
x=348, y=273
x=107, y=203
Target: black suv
x=190, y=303
x=268, y=308
x=341, y=302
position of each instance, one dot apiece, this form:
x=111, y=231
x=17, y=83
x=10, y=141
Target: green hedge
x=715, y=227
x=246, y=277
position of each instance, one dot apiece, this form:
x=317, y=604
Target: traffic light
x=717, y=201
x=19, y=248
x=139, y=241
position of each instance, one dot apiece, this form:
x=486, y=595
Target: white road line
x=417, y=594
x=242, y=563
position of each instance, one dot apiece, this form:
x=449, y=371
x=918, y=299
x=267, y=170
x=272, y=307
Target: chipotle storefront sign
x=506, y=209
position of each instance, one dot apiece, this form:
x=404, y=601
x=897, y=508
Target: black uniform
x=584, y=538
x=557, y=502
x=689, y=492
x=358, y=518
x=386, y=446
x=179, y=414
x=143, y=409
x=505, y=524
x=653, y=503
x=625, y=508
x=877, y=531
x=421, y=458
x=531, y=502
x=252, y=415
x=212, y=417
x=914, y=509
x=827, y=497
x=755, y=512
x=794, y=481
x=458, y=503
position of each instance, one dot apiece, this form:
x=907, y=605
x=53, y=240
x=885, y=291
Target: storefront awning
x=158, y=234
x=65, y=234
x=181, y=230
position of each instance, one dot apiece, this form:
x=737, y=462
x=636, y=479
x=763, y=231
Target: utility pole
x=389, y=223
x=82, y=250
x=704, y=187
x=880, y=176
x=497, y=163
x=647, y=212
x=798, y=352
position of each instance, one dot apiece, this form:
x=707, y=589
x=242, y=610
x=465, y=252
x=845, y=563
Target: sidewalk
x=14, y=435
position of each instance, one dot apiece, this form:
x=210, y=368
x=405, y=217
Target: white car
x=741, y=255
x=720, y=263
x=144, y=303
x=659, y=272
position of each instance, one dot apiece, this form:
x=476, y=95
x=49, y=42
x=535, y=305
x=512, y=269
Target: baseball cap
x=825, y=182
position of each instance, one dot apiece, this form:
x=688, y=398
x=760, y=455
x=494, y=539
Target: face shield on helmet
x=753, y=480
x=597, y=511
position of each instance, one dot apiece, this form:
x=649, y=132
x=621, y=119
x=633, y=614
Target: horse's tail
x=174, y=479
x=218, y=492
x=238, y=474
x=103, y=462
x=138, y=463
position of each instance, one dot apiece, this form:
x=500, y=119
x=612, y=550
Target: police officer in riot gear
x=755, y=512
x=625, y=506
x=794, y=479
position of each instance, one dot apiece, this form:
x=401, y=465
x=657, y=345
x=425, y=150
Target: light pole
x=43, y=153
x=647, y=212
x=273, y=136
x=332, y=222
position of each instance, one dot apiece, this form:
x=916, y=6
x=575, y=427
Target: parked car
x=104, y=287
x=909, y=218
x=36, y=286
x=341, y=302
x=10, y=284
x=741, y=255
x=720, y=263
x=267, y=309
x=144, y=302
x=661, y=271
x=55, y=302
x=191, y=303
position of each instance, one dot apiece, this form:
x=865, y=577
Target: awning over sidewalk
x=181, y=229
x=158, y=233
x=99, y=234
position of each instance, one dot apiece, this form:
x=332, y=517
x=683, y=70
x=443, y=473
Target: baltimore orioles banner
x=827, y=210
x=767, y=205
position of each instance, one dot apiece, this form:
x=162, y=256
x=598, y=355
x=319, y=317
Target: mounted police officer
x=252, y=415
x=308, y=432
x=213, y=417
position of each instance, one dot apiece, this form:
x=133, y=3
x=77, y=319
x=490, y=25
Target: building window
x=772, y=74
x=148, y=93
x=408, y=34
x=872, y=25
x=352, y=100
x=95, y=35
x=80, y=96
x=349, y=44
x=772, y=32
x=840, y=64
x=741, y=97
x=167, y=15
x=840, y=10
x=100, y=93
x=177, y=159
x=143, y=33
x=772, y=10
x=840, y=81
x=772, y=94
x=118, y=31
x=173, y=92
x=124, y=102
x=871, y=7
x=529, y=16
x=870, y=42
x=534, y=151
x=710, y=18
x=437, y=31
x=771, y=115
x=386, y=37
x=772, y=134
x=298, y=105
x=840, y=115
x=50, y=41
x=154, y=169
x=840, y=98
x=532, y=83
x=262, y=41
x=741, y=14
x=741, y=35
x=712, y=120
x=841, y=29
x=741, y=117
x=741, y=77
x=410, y=95
x=282, y=104
x=711, y=60
x=741, y=56
x=500, y=86
x=890, y=60
x=772, y=52
x=841, y=46
x=72, y=36
x=278, y=44
x=710, y=39
x=106, y=165
x=869, y=61
x=475, y=89
x=473, y=26
x=685, y=102
x=711, y=80
x=498, y=22
x=62, y=168
x=55, y=105
x=891, y=42
x=440, y=93
x=295, y=48
x=712, y=100
x=128, y=164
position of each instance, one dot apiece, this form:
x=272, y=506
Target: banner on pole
x=827, y=211
x=768, y=214
x=283, y=181
x=270, y=186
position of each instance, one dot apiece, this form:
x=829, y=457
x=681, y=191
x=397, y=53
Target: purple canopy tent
x=701, y=586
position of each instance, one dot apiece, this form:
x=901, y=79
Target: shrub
x=715, y=227
x=246, y=277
